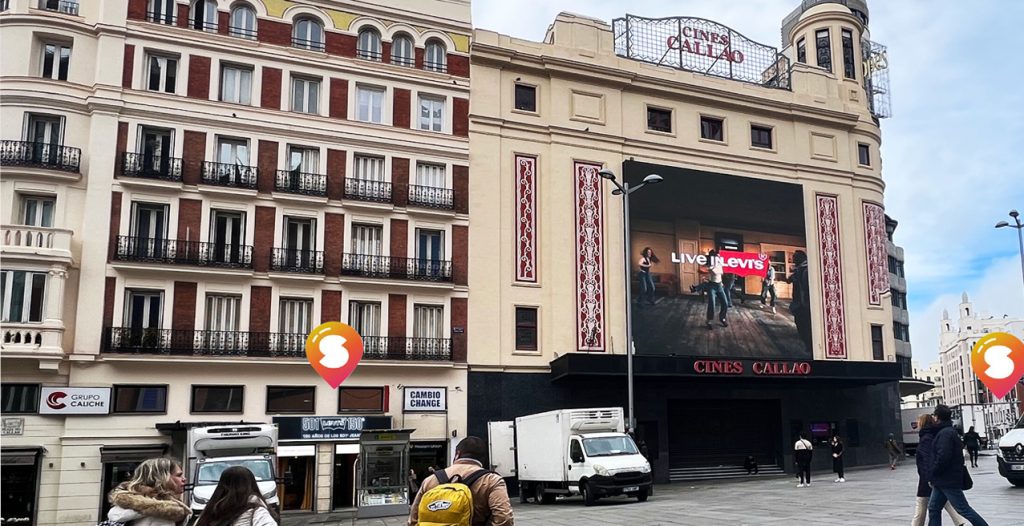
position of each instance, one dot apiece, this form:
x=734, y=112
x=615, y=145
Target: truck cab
x=213, y=449
x=605, y=465
x=1010, y=455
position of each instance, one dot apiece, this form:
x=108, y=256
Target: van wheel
x=641, y=495
x=588, y=496
x=538, y=493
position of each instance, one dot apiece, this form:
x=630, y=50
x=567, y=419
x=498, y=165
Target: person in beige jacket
x=152, y=497
x=491, y=506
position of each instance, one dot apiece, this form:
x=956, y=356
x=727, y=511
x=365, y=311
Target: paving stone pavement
x=871, y=496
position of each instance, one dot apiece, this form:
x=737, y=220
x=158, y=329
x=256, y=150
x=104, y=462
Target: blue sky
x=952, y=153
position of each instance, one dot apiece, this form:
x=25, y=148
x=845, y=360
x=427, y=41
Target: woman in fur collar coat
x=152, y=497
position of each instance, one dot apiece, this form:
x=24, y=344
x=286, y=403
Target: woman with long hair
x=237, y=501
x=837, y=457
x=647, y=258
x=152, y=497
x=925, y=451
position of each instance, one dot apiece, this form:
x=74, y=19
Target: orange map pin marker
x=334, y=350
x=998, y=361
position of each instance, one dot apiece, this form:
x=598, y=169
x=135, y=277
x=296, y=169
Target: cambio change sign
x=74, y=401
x=426, y=399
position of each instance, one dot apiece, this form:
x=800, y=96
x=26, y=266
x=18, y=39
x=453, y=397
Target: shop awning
x=20, y=456
x=132, y=453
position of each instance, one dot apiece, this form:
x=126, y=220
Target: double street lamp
x=624, y=190
x=1020, y=235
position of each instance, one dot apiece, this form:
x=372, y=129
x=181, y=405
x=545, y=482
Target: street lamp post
x=624, y=190
x=1020, y=235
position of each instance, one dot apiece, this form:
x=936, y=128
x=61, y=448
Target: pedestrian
x=750, y=464
x=491, y=506
x=947, y=474
x=837, y=457
x=413, y=482
x=152, y=497
x=237, y=501
x=803, y=450
x=893, y=448
x=973, y=442
x=923, y=456
x=715, y=268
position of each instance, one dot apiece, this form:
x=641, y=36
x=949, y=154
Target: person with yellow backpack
x=463, y=494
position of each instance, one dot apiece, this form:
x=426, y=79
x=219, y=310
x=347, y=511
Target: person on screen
x=800, y=305
x=647, y=258
x=716, y=292
x=768, y=288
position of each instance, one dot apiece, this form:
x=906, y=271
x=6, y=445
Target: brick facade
x=460, y=254
x=334, y=239
x=183, y=315
x=460, y=188
x=402, y=108
x=115, y=224
x=270, y=97
x=330, y=306
x=460, y=309
x=397, y=304
x=190, y=215
x=259, y=309
x=458, y=65
x=263, y=238
x=273, y=32
x=266, y=164
x=339, y=99
x=121, y=146
x=399, y=238
x=460, y=117
x=400, y=181
x=336, y=164
x=128, y=67
x=199, y=77
x=109, y=291
x=340, y=44
x=137, y=9
x=194, y=147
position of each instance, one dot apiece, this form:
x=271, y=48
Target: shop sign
x=751, y=368
x=327, y=427
x=74, y=401
x=426, y=399
x=13, y=426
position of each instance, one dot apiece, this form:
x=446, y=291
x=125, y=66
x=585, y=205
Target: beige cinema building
x=768, y=156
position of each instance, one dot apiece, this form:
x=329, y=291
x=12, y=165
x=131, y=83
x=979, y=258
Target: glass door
x=156, y=152
x=149, y=230
x=228, y=237
x=299, y=241
x=429, y=252
x=44, y=132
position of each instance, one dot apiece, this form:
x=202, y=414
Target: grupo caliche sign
x=74, y=401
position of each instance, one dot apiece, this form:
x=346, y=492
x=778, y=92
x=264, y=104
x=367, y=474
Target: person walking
x=237, y=501
x=837, y=457
x=803, y=450
x=973, y=443
x=894, y=450
x=768, y=288
x=923, y=456
x=491, y=506
x=947, y=474
x=715, y=268
x=152, y=497
x=647, y=258
x=800, y=305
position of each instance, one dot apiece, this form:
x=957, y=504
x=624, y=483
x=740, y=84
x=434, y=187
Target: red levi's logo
x=744, y=263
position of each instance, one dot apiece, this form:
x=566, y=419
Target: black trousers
x=805, y=473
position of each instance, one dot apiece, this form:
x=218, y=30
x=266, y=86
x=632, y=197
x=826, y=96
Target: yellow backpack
x=450, y=503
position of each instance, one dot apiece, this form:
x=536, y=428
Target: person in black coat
x=837, y=457
x=926, y=432
x=945, y=472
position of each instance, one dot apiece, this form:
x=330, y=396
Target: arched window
x=435, y=58
x=204, y=15
x=402, y=51
x=308, y=34
x=369, y=44
x=243, y=22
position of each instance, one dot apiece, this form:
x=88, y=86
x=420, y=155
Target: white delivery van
x=213, y=449
x=911, y=435
x=570, y=452
x=1010, y=454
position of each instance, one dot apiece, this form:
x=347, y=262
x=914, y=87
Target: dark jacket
x=972, y=440
x=947, y=462
x=925, y=453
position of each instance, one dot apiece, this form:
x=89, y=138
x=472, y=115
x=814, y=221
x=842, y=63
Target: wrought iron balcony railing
x=180, y=252
x=440, y=67
x=61, y=6
x=242, y=32
x=301, y=183
x=366, y=54
x=161, y=18
x=233, y=175
x=366, y=190
x=133, y=340
x=403, y=61
x=431, y=197
x=312, y=45
x=149, y=166
x=293, y=260
x=386, y=267
x=40, y=155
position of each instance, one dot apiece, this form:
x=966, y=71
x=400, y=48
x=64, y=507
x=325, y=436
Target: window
x=711, y=128
x=217, y=399
x=849, y=69
x=140, y=399
x=526, y=328
x=428, y=321
x=61, y=6
x=877, y=349
x=308, y=34
x=37, y=210
x=369, y=168
x=370, y=104
x=431, y=114
x=367, y=240
x=364, y=317
x=659, y=120
x=163, y=72
x=204, y=15
x=435, y=56
x=361, y=400
x=368, y=46
x=227, y=234
x=162, y=11
x=236, y=84
x=526, y=98
x=222, y=312
x=144, y=311
x=148, y=230
x=23, y=294
x=291, y=399
x=760, y=136
x=430, y=175
x=403, y=53
x=864, y=154
x=901, y=331
x=20, y=398
x=305, y=160
x=801, y=51
x=56, y=59
x=242, y=23
x=823, y=43
x=305, y=95
x=157, y=146
x=45, y=134
x=295, y=316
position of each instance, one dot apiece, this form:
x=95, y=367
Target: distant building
x=931, y=397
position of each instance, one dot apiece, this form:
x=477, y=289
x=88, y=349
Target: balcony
x=162, y=18
x=312, y=45
x=295, y=260
x=301, y=183
x=431, y=197
x=385, y=267
x=36, y=242
x=230, y=175
x=367, y=190
x=179, y=252
x=40, y=155
x=33, y=340
x=149, y=166
x=403, y=348
x=61, y=6
x=439, y=67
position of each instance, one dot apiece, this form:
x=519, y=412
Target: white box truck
x=1010, y=454
x=570, y=452
x=213, y=449
x=911, y=435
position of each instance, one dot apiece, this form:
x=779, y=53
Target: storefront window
x=383, y=475
x=299, y=488
x=19, y=478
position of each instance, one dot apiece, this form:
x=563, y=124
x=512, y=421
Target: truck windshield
x=608, y=446
x=209, y=472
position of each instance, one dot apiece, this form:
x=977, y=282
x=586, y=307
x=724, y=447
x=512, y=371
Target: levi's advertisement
x=74, y=401
x=718, y=266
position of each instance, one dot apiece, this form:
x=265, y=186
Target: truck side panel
x=542, y=442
